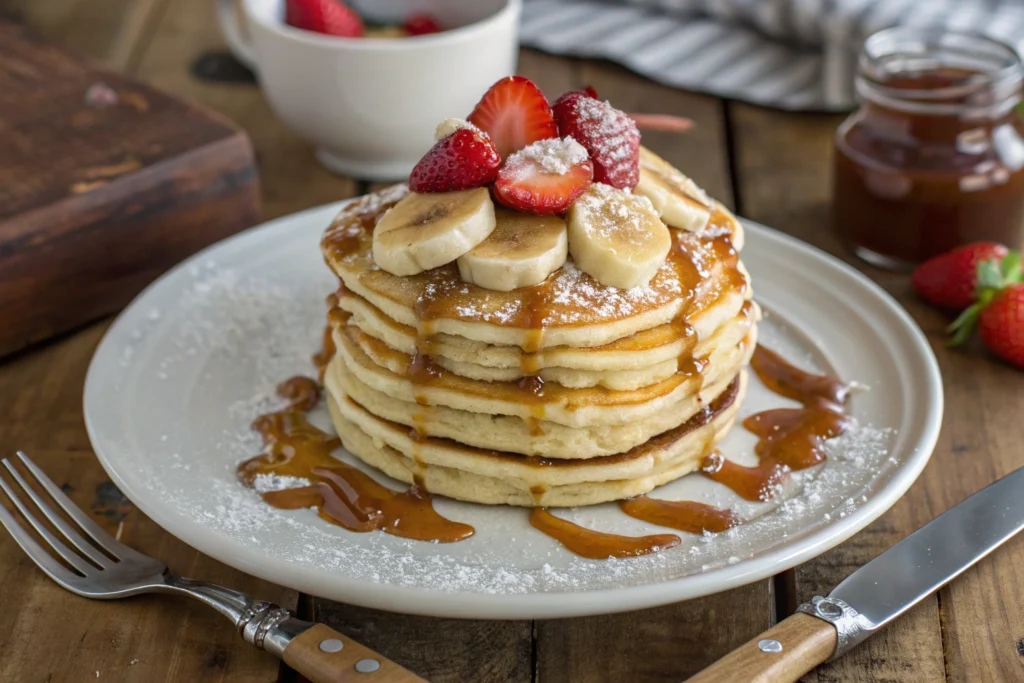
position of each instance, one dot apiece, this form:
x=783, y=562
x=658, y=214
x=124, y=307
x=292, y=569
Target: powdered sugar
x=231, y=324
x=611, y=130
x=554, y=156
x=616, y=213
x=450, y=126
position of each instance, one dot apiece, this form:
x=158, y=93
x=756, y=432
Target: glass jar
x=934, y=157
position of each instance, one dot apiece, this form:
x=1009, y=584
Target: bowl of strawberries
x=366, y=82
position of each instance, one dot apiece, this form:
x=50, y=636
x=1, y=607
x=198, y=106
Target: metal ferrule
x=851, y=627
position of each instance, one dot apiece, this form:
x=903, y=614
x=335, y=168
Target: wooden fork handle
x=803, y=642
x=315, y=654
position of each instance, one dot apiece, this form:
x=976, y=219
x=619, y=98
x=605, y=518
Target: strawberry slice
x=330, y=17
x=609, y=135
x=544, y=177
x=514, y=112
x=461, y=161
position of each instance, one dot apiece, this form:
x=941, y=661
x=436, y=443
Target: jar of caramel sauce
x=934, y=157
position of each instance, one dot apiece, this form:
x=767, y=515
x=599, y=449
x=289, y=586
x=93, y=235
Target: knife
x=880, y=591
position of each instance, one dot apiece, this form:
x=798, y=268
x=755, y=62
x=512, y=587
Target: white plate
x=180, y=375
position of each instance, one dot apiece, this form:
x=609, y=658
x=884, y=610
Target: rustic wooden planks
x=965, y=633
x=47, y=633
x=291, y=177
x=102, y=197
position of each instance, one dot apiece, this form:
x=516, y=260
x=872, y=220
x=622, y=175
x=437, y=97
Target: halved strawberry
x=544, y=177
x=461, y=161
x=330, y=17
x=514, y=112
x=609, y=135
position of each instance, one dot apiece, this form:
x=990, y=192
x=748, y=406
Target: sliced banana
x=616, y=237
x=424, y=231
x=521, y=252
x=678, y=200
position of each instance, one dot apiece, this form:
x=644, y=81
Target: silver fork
x=96, y=565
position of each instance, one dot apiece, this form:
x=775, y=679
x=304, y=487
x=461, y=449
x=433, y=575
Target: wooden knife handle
x=315, y=654
x=805, y=641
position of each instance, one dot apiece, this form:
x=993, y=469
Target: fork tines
x=96, y=549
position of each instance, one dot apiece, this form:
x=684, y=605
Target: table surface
x=770, y=166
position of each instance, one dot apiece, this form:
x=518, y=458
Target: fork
x=101, y=567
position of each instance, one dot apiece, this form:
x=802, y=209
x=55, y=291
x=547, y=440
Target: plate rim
x=553, y=604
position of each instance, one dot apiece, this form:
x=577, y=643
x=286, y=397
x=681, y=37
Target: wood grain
x=965, y=633
x=440, y=650
x=49, y=634
x=292, y=179
x=805, y=642
x=111, y=31
x=106, y=197
x=319, y=665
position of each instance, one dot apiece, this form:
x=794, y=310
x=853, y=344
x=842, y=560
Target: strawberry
x=950, y=280
x=545, y=177
x=461, y=161
x=330, y=17
x=609, y=135
x=421, y=25
x=514, y=112
x=1001, y=324
x=999, y=310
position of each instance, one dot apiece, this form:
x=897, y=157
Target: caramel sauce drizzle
x=685, y=515
x=790, y=439
x=597, y=545
x=342, y=494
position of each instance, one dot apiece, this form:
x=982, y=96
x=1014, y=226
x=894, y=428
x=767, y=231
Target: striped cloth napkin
x=790, y=54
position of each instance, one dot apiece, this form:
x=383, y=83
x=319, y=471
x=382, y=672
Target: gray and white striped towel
x=790, y=54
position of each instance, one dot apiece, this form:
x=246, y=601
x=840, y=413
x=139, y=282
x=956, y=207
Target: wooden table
x=772, y=167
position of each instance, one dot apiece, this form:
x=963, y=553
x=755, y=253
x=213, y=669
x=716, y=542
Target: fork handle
x=315, y=653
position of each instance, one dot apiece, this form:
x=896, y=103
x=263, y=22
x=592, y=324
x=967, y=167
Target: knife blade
x=920, y=564
x=883, y=589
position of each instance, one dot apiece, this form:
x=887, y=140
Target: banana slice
x=616, y=237
x=678, y=200
x=424, y=231
x=521, y=252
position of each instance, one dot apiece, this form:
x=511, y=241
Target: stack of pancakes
x=562, y=394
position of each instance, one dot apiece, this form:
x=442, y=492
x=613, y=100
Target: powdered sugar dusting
x=614, y=129
x=450, y=126
x=615, y=213
x=227, y=328
x=554, y=156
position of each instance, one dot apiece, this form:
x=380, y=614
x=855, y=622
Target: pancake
x=387, y=371
x=568, y=309
x=500, y=478
x=564, y=393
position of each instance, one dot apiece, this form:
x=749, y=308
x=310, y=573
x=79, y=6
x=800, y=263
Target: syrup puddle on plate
x=789, y=439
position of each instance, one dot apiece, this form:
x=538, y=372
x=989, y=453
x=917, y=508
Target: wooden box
x=105, y=183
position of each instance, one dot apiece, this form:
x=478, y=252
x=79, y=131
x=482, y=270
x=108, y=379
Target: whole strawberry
x=463, y=160
x=330, y=17
x=610, y=136
x=950, y=280
x=998, y=311
x=1001, y=325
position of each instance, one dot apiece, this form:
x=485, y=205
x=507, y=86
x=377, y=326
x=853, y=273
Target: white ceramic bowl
x=370, y=105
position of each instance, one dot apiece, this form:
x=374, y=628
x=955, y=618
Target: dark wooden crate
x=96, y=200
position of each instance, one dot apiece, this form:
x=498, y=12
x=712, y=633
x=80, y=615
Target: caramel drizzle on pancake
x=342, y=494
